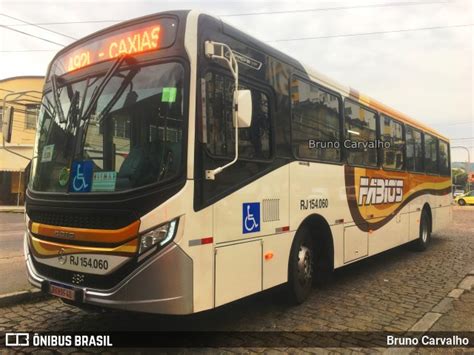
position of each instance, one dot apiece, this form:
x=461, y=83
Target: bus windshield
x=97, y=135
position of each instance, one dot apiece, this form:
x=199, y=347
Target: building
x=13, y=157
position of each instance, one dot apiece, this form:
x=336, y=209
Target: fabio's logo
x=375, y=191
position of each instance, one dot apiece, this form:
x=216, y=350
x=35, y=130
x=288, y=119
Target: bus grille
x=83, y=220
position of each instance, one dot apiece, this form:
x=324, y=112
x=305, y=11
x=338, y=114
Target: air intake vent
x=82, y=220
x=271, y=209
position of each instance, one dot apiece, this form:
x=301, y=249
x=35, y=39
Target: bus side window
x=361, y=127
x=391, y=132
x=315, y=117
x=254, y=141
x=431, y=154
x=444, y=159
x=414, y=148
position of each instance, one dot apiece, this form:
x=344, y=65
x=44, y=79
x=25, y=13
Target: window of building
x=361, y=129
x=315, y=119
x=31, y=116
x=414, y=149
x=444, y=161
x=122, y=127
x=1, y=116
x=431, y=154
x=254, y=141
x=391, y=132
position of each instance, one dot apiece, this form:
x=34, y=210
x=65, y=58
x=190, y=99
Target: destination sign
x=136, y=39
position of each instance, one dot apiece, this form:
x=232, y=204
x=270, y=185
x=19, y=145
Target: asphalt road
x=12, y=263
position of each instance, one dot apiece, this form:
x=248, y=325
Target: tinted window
x=414, y=149
x=315, y=118
x=361, y=127
x=391, y=132
x=431, y=154
x=254, y=141
x=117, y=140
x=444, y=159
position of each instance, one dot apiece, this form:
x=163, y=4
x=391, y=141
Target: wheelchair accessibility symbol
x=251, y=217
x=81, y=176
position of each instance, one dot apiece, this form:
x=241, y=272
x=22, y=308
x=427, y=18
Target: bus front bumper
x=163, y=284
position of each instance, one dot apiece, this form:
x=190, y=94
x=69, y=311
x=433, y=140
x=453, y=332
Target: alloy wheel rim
x=305, y=264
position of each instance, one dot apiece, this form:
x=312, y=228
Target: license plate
x=62, y=292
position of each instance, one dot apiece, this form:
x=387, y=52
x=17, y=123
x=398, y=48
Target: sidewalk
x=12, y=262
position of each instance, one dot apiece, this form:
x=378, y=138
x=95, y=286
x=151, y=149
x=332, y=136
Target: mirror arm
x=210, y=47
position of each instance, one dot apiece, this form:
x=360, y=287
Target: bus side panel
x=238, y=271
x=393, y=233
x=257, y=209
x=443, y=212
x=276, y=253
x=318, y=188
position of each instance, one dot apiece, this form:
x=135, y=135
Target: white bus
x=181, y=164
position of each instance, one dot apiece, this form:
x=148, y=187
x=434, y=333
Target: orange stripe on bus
x=87, y=234
x=46, y=249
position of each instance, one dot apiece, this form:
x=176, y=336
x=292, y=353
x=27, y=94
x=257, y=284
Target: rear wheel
x=300, y=268
x=461, y=202
x=425, y=232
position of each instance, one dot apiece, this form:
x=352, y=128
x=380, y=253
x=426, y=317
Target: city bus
x=181, y=164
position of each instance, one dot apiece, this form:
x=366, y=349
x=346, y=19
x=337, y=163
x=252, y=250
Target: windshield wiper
x=98, y=90
x=57, y=104
x=128, y=78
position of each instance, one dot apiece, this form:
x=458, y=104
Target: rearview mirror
x=243, y=103
x=8, y=113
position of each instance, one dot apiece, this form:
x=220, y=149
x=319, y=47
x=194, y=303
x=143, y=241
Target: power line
x=29, y=34
x=43, y=28
x=369, y=33
x=278, y=40
x=335, y=8
x=29, y=50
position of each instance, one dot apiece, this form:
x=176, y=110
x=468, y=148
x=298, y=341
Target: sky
x=427, y=74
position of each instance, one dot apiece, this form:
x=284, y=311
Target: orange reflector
x=370, y=231
x=268, y=255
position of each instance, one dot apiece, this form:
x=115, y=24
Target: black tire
x=462, y=202
x=300, y=266
x=425, y=232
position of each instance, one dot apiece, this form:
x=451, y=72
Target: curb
x=12, y=210
x=13, y=298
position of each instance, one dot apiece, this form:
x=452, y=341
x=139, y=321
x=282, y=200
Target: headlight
x=159, y=236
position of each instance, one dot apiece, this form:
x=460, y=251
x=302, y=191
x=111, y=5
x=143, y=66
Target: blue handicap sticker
x=81, y=177
x=251, y=217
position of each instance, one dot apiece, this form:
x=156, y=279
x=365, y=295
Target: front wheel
x=425, y=232
x=300, y=268
x=461, y=202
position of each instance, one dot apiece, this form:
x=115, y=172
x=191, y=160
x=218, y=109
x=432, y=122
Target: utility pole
x=468, y=164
